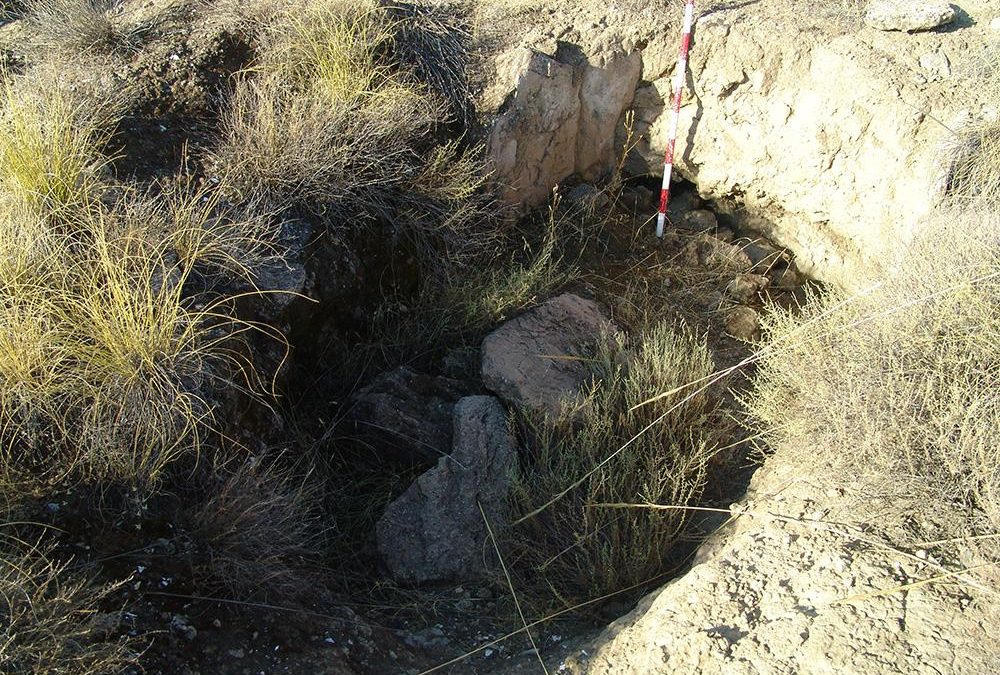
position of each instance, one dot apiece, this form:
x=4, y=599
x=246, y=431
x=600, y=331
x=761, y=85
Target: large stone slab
x=435, y=531
x=535, y=360
x=558, y=116
x=908, y=15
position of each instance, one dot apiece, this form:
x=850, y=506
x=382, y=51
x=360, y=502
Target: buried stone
x=435, y=531
x=406, y=414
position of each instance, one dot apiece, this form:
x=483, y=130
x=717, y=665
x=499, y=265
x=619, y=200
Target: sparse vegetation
x=128, y=312
x=578, y=548
x=53, y=618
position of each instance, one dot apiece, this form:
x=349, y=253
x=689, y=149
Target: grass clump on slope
x=898, y=385
x=108, y=359
x=329, y=122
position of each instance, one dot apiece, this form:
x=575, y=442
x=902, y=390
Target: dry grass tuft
x=573, y=551
x=295, y=150
x=259, y=531
x=108, y=362
x=329, y=49
x=52, y=620
x=50, y=142
x=974, y=174
x=327, y=121
x=76, y=26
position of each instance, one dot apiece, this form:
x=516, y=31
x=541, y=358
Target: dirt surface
x=797, y=584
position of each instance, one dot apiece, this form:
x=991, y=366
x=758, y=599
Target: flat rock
x=533, y=361
x=908, y=15
x=435, y=531
x=406, y=414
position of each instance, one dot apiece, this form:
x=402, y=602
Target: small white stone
x=936, y=63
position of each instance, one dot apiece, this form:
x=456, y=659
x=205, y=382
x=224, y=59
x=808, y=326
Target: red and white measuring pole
x=668, y=160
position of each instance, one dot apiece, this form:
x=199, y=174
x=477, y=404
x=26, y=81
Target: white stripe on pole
x=668, y=159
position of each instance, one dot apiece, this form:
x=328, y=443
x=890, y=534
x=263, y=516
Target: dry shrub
x=72, y=27
x=575, y=550
x=897, y=386
x=429, y=44
x=52, y=618
x=974, y=171
x=258, y=532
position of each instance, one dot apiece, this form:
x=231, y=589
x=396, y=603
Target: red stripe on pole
x=668, y=159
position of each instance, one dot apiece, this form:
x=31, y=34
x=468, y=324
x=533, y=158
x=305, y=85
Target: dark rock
x=786, y=277
x=699, y=220
x=725, y=234
x=764, y=255
x=435, y=531
x=533, y=360
x=639, y=198
x=406, y=415
x=587, y=197
x=681, y=202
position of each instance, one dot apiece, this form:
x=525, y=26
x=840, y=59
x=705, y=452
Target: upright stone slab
x=435, y=530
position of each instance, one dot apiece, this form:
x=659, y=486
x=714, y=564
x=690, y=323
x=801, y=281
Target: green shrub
x=575, y=549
